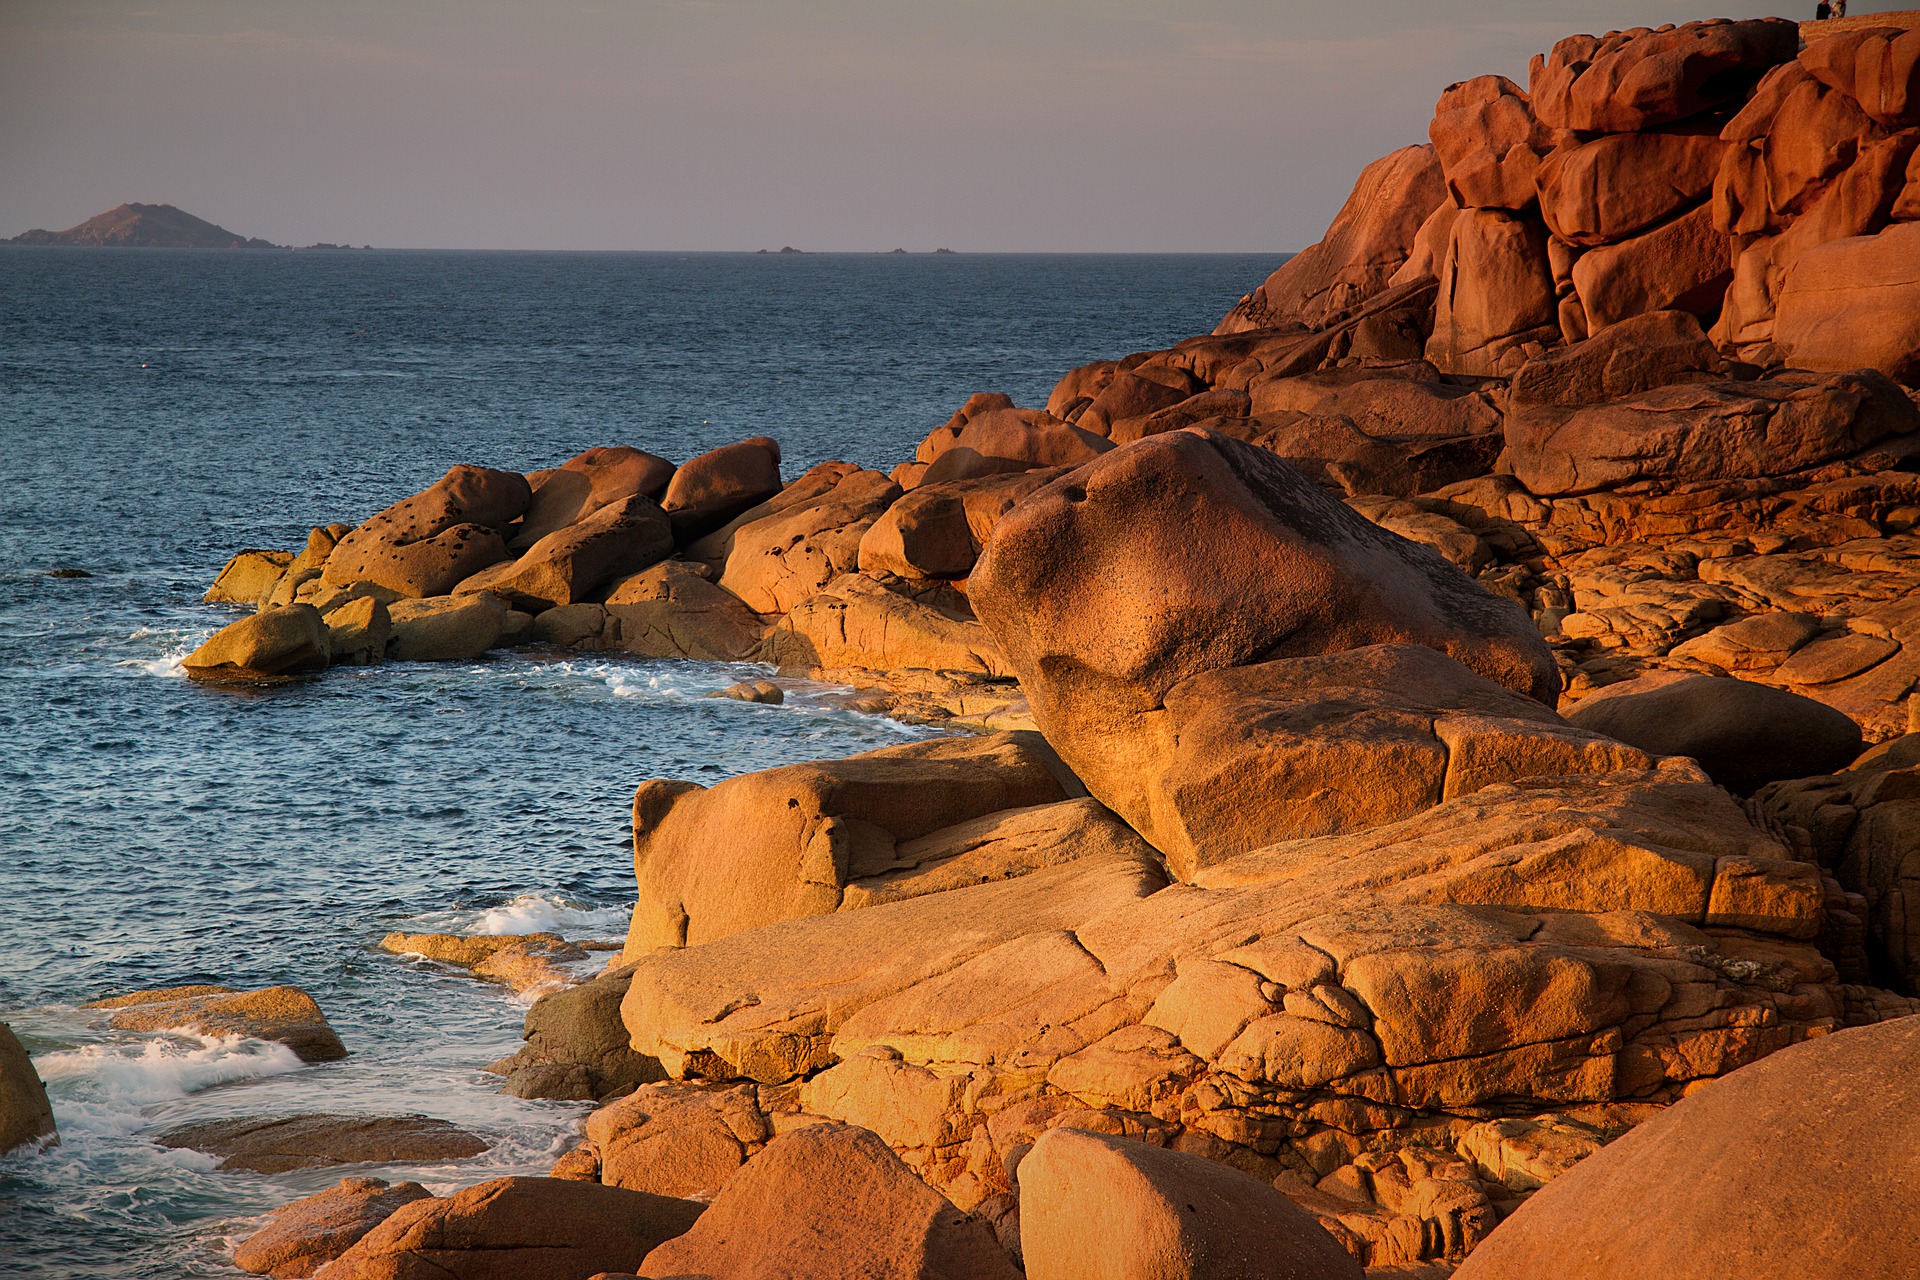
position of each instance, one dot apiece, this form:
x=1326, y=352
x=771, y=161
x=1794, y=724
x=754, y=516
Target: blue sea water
x=159, y=411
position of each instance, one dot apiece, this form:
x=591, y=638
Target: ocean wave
x=528, y=913
x=105, y=1088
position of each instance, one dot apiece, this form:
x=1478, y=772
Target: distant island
x=150, y=226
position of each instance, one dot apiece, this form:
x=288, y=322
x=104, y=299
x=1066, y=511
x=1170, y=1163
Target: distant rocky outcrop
x=145, y=226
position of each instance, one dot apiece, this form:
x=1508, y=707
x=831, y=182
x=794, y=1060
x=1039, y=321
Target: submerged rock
x=284, y=1014
x=298, y=1239
x=25, y=1114
x=281, y=1144
x=525, y=962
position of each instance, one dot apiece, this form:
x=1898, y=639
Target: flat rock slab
x=287, y=1015
x=281, y=1144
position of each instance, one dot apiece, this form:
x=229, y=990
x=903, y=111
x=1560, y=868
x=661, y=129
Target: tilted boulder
x=358, y=631
x=677, y=1139
x=1743, y=734
x=425, y=545
x=1683, y=265
x=1789, y=1169
x=583, y=485
x=1190, y=552
x=1096, y=1205
x=674, y=610
x=1639, y=79
x=1136, y=393
x=828, y=1201
x=573, y=562
x=1617, y=186
x=299, y=1238
x=284, y=1014
x=779, y=560
x=713, y=488
x=1369, y=240
x=1698, y=431
x=1656, y=349
x=785, y=842
x=25, y=1114
x=248, y=576
x=278, y=641
x=517, y=1229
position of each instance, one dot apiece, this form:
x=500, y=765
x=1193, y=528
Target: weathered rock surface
x=770, y=846
x=1792, y=1167
x=517, y=1229
x=285, y=1014
x=573, y=562
x=582, y=485
x=298, y=1239
x=1114, y=585
x=1643, y=78
x=1855, y=303
x=445, y=628
x=674, y=610
x=281, y=1144
x=781, y=559
x=1497, y=305
x=358, y=632
x=676, y=1139
x=1092, y=1204
x=275, y=642
x=1743, y=734
x=859, y=622
x=425, y=545
x=830, y=1200
x=25, y=1114
x=248, y=576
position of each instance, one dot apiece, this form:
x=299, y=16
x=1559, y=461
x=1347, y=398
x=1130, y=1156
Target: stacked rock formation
x=1422, y=721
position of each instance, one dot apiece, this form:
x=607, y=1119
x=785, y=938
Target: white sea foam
x=528, y=913
x=103, y=1087
x=176, y=645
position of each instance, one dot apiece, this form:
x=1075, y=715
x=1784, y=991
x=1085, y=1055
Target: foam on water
x=526, y=913
x=107, y=1088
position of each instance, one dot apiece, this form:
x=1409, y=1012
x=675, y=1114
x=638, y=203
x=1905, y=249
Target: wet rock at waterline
x=524, y=962
x=25, y=1114
x=282, y=1144
x=279, y=641
x=285, y=1014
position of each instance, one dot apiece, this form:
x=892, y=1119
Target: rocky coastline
x=1432, y=771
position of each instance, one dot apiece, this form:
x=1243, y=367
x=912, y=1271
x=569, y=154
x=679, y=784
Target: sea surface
x=160, y=410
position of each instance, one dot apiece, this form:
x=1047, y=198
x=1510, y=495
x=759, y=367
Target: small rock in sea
x=68, y=572
x=280, y=1144
x=25, y=1114
x=298, y=1239
x=284, y=1014
x=524, y=962
x=765, y=691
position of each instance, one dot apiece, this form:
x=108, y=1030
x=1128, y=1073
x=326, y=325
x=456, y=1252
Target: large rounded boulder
x=1802, y=1166
x=1190, y=552
x=424, y=545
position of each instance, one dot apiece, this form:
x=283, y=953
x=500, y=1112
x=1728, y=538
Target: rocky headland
x=1432, y=775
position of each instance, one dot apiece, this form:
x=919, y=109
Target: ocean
x=160, y=410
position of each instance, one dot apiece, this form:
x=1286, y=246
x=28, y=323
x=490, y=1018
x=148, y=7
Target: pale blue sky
x=728, y=124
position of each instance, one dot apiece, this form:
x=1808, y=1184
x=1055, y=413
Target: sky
x=849, y=125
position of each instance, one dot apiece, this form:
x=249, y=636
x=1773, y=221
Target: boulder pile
x=1418, y=740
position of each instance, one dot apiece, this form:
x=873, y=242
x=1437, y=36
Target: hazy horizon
x=717, y=125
